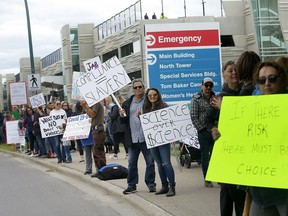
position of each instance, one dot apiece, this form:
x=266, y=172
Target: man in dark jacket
x=134, y=137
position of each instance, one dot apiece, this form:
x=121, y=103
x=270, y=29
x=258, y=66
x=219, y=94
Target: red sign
x=182, y=38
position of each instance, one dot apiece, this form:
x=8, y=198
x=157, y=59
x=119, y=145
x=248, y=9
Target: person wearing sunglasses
x=56, y=140
x=135, y=140
x=230, y=194
x=161, y=154
x=200, y=104
x=271, y=79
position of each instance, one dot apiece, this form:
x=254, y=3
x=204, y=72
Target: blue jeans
x=133, y=157
x=206, y=145
x=52, y=144
x=57, y=142
x=280, y=210
x=67, y=153
x=41, y=144
x=161, y=155
x=88, y=157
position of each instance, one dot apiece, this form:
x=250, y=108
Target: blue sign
x=178, y=74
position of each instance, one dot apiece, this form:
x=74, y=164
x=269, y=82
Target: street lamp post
x=203, y=4
x=185, y=8
x=30, y=39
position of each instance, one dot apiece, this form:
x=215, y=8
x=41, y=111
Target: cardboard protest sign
x=37, y=100
x=101, y=80
x=13, y=133
x=18, y=93
x=77, y=127
x=167, y=125
x=92, y=66
x=76, y=95
x=192, y=141
x=50, y=125
x=253, y=147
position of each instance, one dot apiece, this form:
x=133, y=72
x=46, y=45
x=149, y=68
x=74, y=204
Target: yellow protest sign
x=253, y=147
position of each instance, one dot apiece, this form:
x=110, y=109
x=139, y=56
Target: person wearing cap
x=200, y=104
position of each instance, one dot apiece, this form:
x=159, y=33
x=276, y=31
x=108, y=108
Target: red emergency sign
x=185, y=38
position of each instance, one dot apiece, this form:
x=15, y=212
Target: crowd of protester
x=245, y=76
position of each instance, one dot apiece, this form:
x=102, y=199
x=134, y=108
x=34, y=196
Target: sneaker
x=208, y=184
x=129, y=190
x=152, y=189
x=87, y=172
x=95, y=175
x=115, y=157
x=81, y=161
x=126, y=156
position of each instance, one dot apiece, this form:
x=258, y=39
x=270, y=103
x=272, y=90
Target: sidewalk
x=192, y=198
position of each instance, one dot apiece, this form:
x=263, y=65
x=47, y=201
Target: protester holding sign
x=135, y=140
x=96, y=112
x=58, y=111
x=230, y=194
x=200, y=103
x=28, y=122
x=37, y=132
x=271, y=79
x=161, y=154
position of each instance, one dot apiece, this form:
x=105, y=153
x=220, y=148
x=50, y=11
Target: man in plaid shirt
x=200, y=103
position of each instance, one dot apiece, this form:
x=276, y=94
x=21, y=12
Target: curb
x=145, y=205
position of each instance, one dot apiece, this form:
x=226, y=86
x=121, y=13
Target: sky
x=47, y=17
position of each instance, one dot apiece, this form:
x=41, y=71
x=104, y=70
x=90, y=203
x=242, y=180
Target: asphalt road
x=27, y=189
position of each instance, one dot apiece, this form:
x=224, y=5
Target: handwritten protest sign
x=13, y=133
x=37, y=100
x=192, y=141
x=253, y=147
x=101, y=80
x=18, y=93
x=92, y=66
x=50, y=125
x=167, y=125
x=76, y=95
x=78, y=127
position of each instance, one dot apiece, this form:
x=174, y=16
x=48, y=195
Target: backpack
x=112, y=171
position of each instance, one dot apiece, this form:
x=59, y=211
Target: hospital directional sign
x=180, y=55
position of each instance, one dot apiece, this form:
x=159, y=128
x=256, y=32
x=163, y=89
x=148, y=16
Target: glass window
x=227, y=41
x=268, y=30
x=127, y=50
x=135, y=75
x=110, y=54
x=73, y=36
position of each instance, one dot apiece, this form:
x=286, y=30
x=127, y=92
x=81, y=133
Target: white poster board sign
x=37, y=100
x=13, y=133
x=92, y=65
x=18, y=93
x=99, y=83
x=78, y=127
x=50, y=125
x=76, y=95
x=167, y=125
